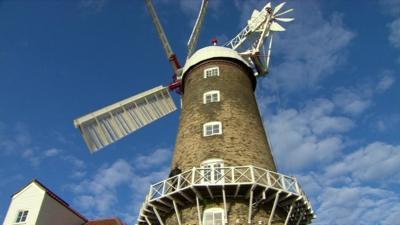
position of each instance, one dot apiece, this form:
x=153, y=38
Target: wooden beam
x=162, y=208
x=196, y=192
x=186, y=196
x=176, y=200
x=286, y=197
x=286, y=203
x=209, y=192
x=251, y=190
x=164, y=202
x=237, y=190
x=262, y=194
x=271, y=197
x=147, y=210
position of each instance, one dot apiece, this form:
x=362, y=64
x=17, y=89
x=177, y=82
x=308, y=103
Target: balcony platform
x=256, y=185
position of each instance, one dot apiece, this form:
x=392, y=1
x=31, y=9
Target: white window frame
x=213, y=212
x=210, y=71
x=211, y=93
x=213, y=171
x=212, y=124
x=22, y=219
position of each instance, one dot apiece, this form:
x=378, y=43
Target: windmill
x=111, y=123
x=223, y=171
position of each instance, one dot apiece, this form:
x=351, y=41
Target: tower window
x=21, y=217
x=211, y=72
x=211, y=96
x=212, y=128
x=213, y=171
x=213, y=216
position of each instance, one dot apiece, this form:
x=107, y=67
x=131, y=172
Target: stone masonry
x=243, y=140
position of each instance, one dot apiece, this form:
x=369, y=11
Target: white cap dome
x=212, y=52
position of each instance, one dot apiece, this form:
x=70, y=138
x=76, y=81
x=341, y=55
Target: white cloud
x=357, y=99
x=160, y=174
x=35, y=155
x=157, y=157
x=14, y=139
x=386, y=81
x=17, y=140
x=387, y=122
x=352, y=100
x=361, y=205
x=394, y=35
x=99, y=195
x=391, y=6
x=30, y=155
x=306, y=137
x=312, y=48
x=52, y=152
x=100, y=190
x=376, y=162
x=343, y=194
x=78, y=166
x=77, y=163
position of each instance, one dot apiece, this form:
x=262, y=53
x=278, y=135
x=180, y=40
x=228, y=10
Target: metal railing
x=232, y=175
x=247, y=177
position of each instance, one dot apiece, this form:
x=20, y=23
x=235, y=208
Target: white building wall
x=30, y=198
x=52, y=212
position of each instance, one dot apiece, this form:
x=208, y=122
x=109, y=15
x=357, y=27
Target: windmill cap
x=211, y=52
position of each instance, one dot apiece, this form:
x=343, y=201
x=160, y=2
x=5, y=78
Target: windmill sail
x=196, y=29
x=116, y=121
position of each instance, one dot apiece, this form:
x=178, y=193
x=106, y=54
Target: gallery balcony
x=255, y=185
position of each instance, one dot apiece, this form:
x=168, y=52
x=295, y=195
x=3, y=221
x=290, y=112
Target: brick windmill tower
x=223, y=171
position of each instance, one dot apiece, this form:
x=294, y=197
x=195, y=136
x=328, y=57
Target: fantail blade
x=276, y=27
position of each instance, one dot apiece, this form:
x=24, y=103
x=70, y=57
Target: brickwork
x=243, y=140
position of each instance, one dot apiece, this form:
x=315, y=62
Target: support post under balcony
x=271, y=216
x=198, y=210
x=250, y=206
x=178, y=216
x=289, y=214
x=225, y=208
x=147, y=220
x=158, y=215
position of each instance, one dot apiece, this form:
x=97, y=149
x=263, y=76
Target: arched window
x=213, y=216
x=212, y=128
x=212, y=171
x=211, y=72
x=211, y=96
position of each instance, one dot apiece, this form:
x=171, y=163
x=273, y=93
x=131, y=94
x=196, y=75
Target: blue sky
x=331, y=103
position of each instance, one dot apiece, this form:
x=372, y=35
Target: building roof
x=54, y=196
x=112, y=221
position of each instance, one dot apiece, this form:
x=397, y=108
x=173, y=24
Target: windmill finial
x=214, y=41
